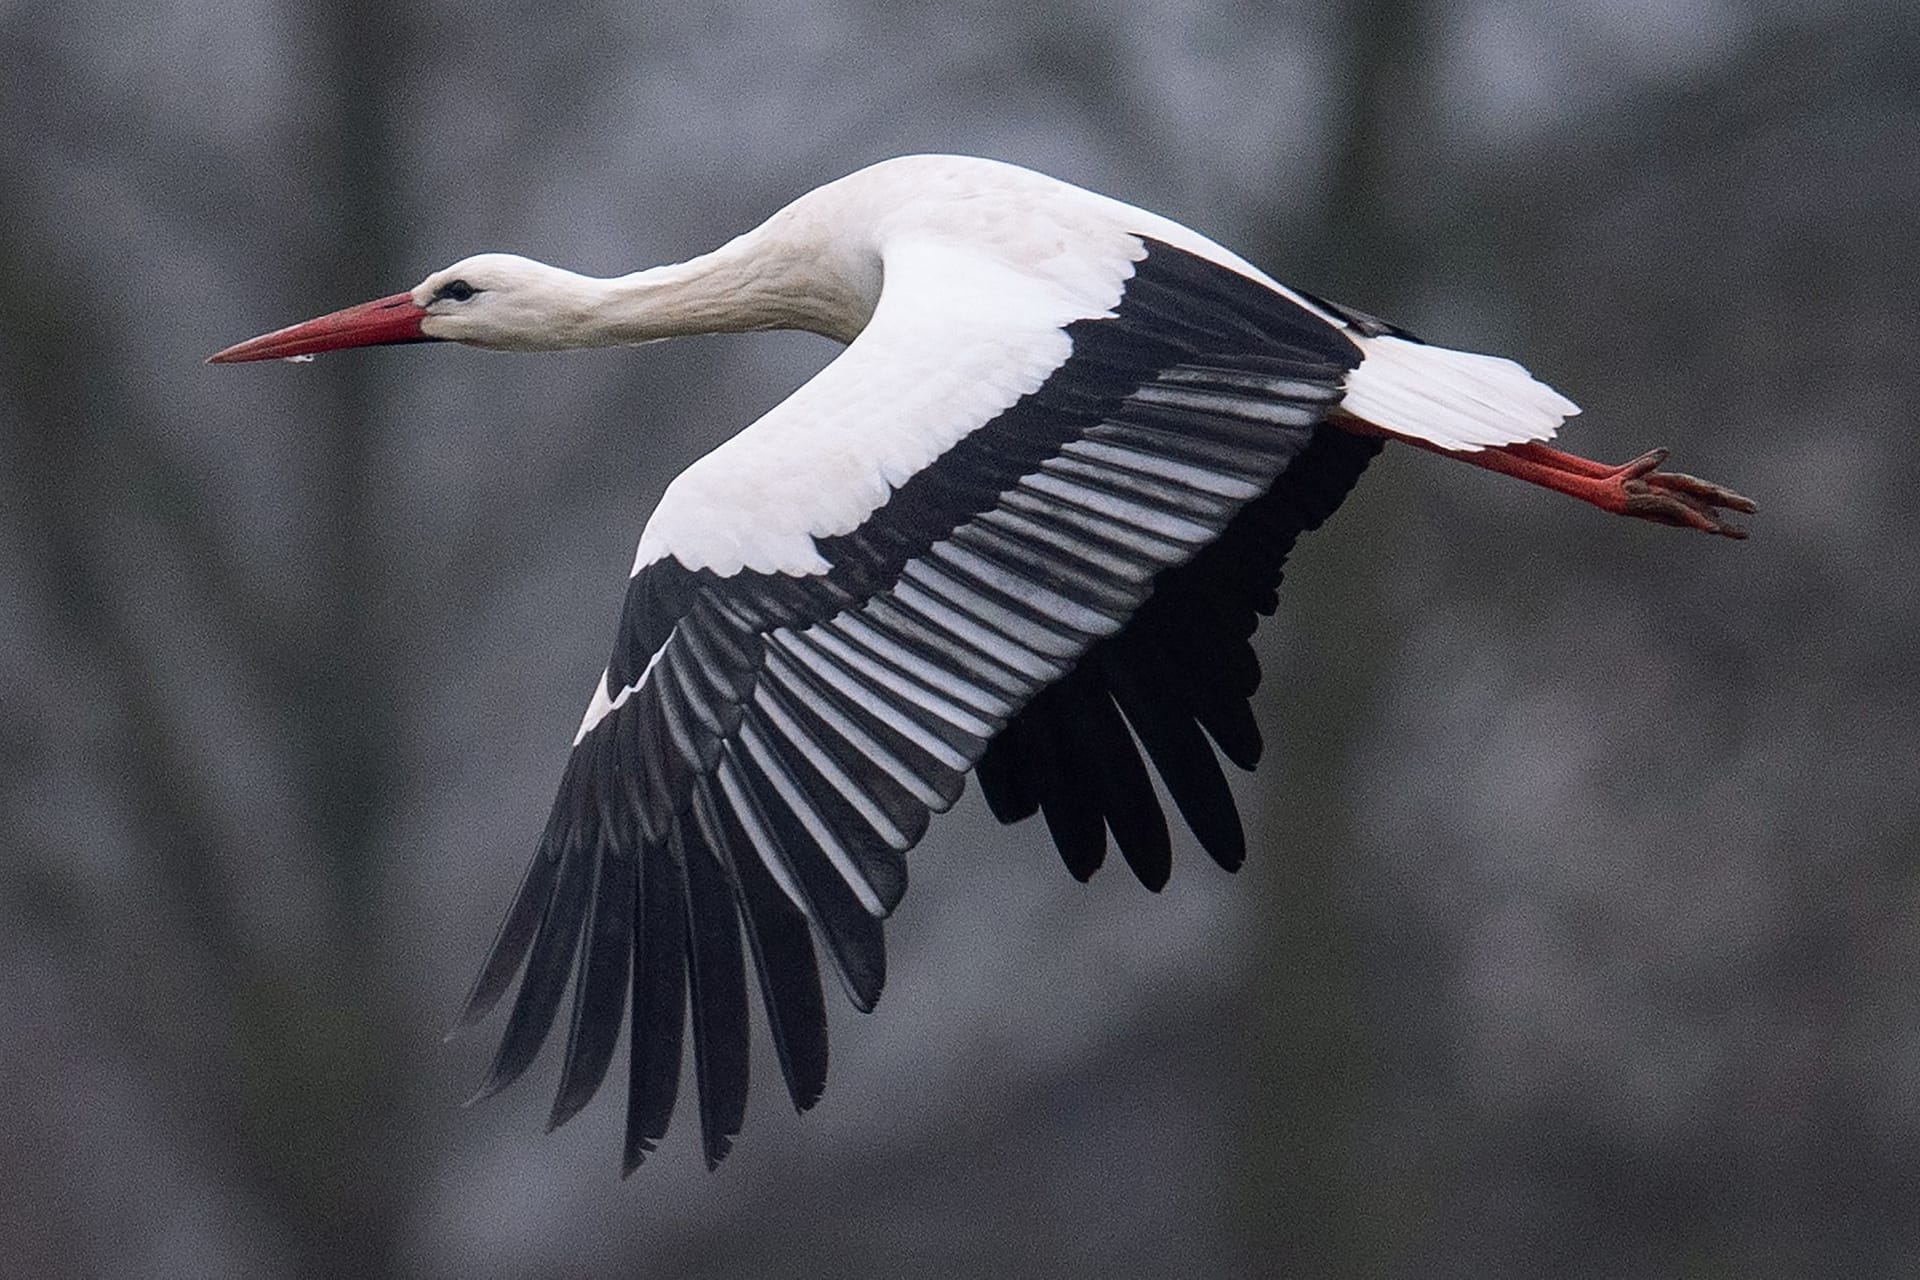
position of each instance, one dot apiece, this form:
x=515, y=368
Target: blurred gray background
x=1581, y=933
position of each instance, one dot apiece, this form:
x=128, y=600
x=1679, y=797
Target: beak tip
x=234, y=354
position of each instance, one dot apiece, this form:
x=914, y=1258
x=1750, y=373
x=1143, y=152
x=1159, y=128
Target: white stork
x=1022, y=525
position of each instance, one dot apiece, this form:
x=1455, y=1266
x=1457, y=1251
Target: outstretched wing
x=835, y=614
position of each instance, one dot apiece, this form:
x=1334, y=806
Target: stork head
x=495, y=300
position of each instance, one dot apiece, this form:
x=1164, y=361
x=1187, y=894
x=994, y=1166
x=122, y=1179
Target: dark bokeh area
x=1580, y=929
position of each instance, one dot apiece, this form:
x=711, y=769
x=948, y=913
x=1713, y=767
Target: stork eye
x=457, y=290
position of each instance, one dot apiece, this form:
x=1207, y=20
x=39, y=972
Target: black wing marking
x=1182, y=672
x=1032, y=589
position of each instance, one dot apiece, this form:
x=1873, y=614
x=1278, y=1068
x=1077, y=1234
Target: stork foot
x=1674, y=498
x=1637, y=488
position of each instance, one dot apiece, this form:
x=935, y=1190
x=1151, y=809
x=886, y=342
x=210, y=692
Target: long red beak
x=384, y=320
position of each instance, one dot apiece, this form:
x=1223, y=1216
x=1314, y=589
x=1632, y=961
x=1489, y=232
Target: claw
x=1640, y=466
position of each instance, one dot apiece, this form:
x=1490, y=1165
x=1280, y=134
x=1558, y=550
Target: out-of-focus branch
x=77, y=108
x=50, y=380
x=93, y=391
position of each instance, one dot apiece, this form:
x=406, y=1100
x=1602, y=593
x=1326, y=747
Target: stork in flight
x=1023, y=525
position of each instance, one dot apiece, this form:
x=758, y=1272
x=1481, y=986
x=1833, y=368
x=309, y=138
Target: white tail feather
x=1455, y=399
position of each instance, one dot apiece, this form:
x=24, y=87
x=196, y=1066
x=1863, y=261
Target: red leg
x=1562, y=461
x=1631, y=488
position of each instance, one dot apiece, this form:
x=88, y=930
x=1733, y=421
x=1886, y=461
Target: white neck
x=754, y=282
x=790, y=273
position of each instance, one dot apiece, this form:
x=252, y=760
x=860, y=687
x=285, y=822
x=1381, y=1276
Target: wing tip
x=566, y=1105
x=492, y=1085
x=635, y=1155
x=1229, y=860
x=858, y=997
x=1153, y=878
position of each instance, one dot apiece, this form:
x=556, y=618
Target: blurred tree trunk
x=335, y=1042
x=352, y=746
x=1304, y=1206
